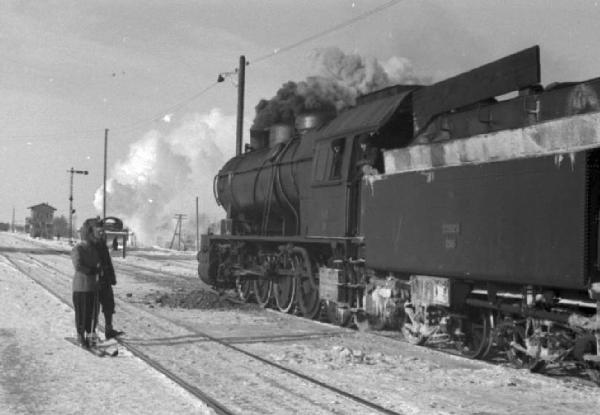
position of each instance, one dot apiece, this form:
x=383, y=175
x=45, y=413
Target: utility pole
x=71, y=211
x=241, y=71
x=240, y=110
x=104, y=185
x=197, y=228
x=12, y=226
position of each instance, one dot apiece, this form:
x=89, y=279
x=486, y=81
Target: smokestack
x=240, y=109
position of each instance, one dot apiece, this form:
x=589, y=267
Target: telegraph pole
x=240, y=110
x=71, y=211
x=239, y=133
x=104, y=185
x=197, y=228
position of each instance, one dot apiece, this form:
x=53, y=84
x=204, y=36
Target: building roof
x=41, y=205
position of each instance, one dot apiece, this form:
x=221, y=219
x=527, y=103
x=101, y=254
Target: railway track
x=158, y=275
x=559, y=370
x=58, y=290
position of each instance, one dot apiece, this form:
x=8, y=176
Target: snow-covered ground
x=54, y=377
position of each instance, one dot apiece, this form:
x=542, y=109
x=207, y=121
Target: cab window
x=337, y=158
x=328, y=161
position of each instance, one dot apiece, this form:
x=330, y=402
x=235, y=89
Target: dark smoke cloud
x=338, y=80
x=291, y=99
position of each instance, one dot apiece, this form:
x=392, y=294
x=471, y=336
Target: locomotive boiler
x=477, y=226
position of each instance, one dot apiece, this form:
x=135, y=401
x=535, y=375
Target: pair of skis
x=107, y=348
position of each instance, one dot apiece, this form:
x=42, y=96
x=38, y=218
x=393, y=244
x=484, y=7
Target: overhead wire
x=325, y=32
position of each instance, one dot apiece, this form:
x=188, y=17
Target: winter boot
x=110, y=333
x=82, y=341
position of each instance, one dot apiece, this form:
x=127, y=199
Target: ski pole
x=95, y=310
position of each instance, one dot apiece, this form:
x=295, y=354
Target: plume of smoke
x=338, y=79
x=163, y=174
x=291, y=99
x=400, y=71
x=357, y=74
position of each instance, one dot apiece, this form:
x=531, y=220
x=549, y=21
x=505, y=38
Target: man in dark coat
x=105, y=293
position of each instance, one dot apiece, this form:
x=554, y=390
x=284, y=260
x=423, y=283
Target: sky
x=147, y=70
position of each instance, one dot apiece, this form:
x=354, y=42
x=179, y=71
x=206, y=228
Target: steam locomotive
x=475, y=225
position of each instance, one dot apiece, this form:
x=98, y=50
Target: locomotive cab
x=331, y=206
x=326, y=207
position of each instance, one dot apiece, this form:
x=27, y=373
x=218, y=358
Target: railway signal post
x=72, y=171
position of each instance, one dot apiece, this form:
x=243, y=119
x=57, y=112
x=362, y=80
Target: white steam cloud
x=163, y=174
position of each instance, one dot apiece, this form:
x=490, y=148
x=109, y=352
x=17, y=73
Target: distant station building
x=40, y=222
